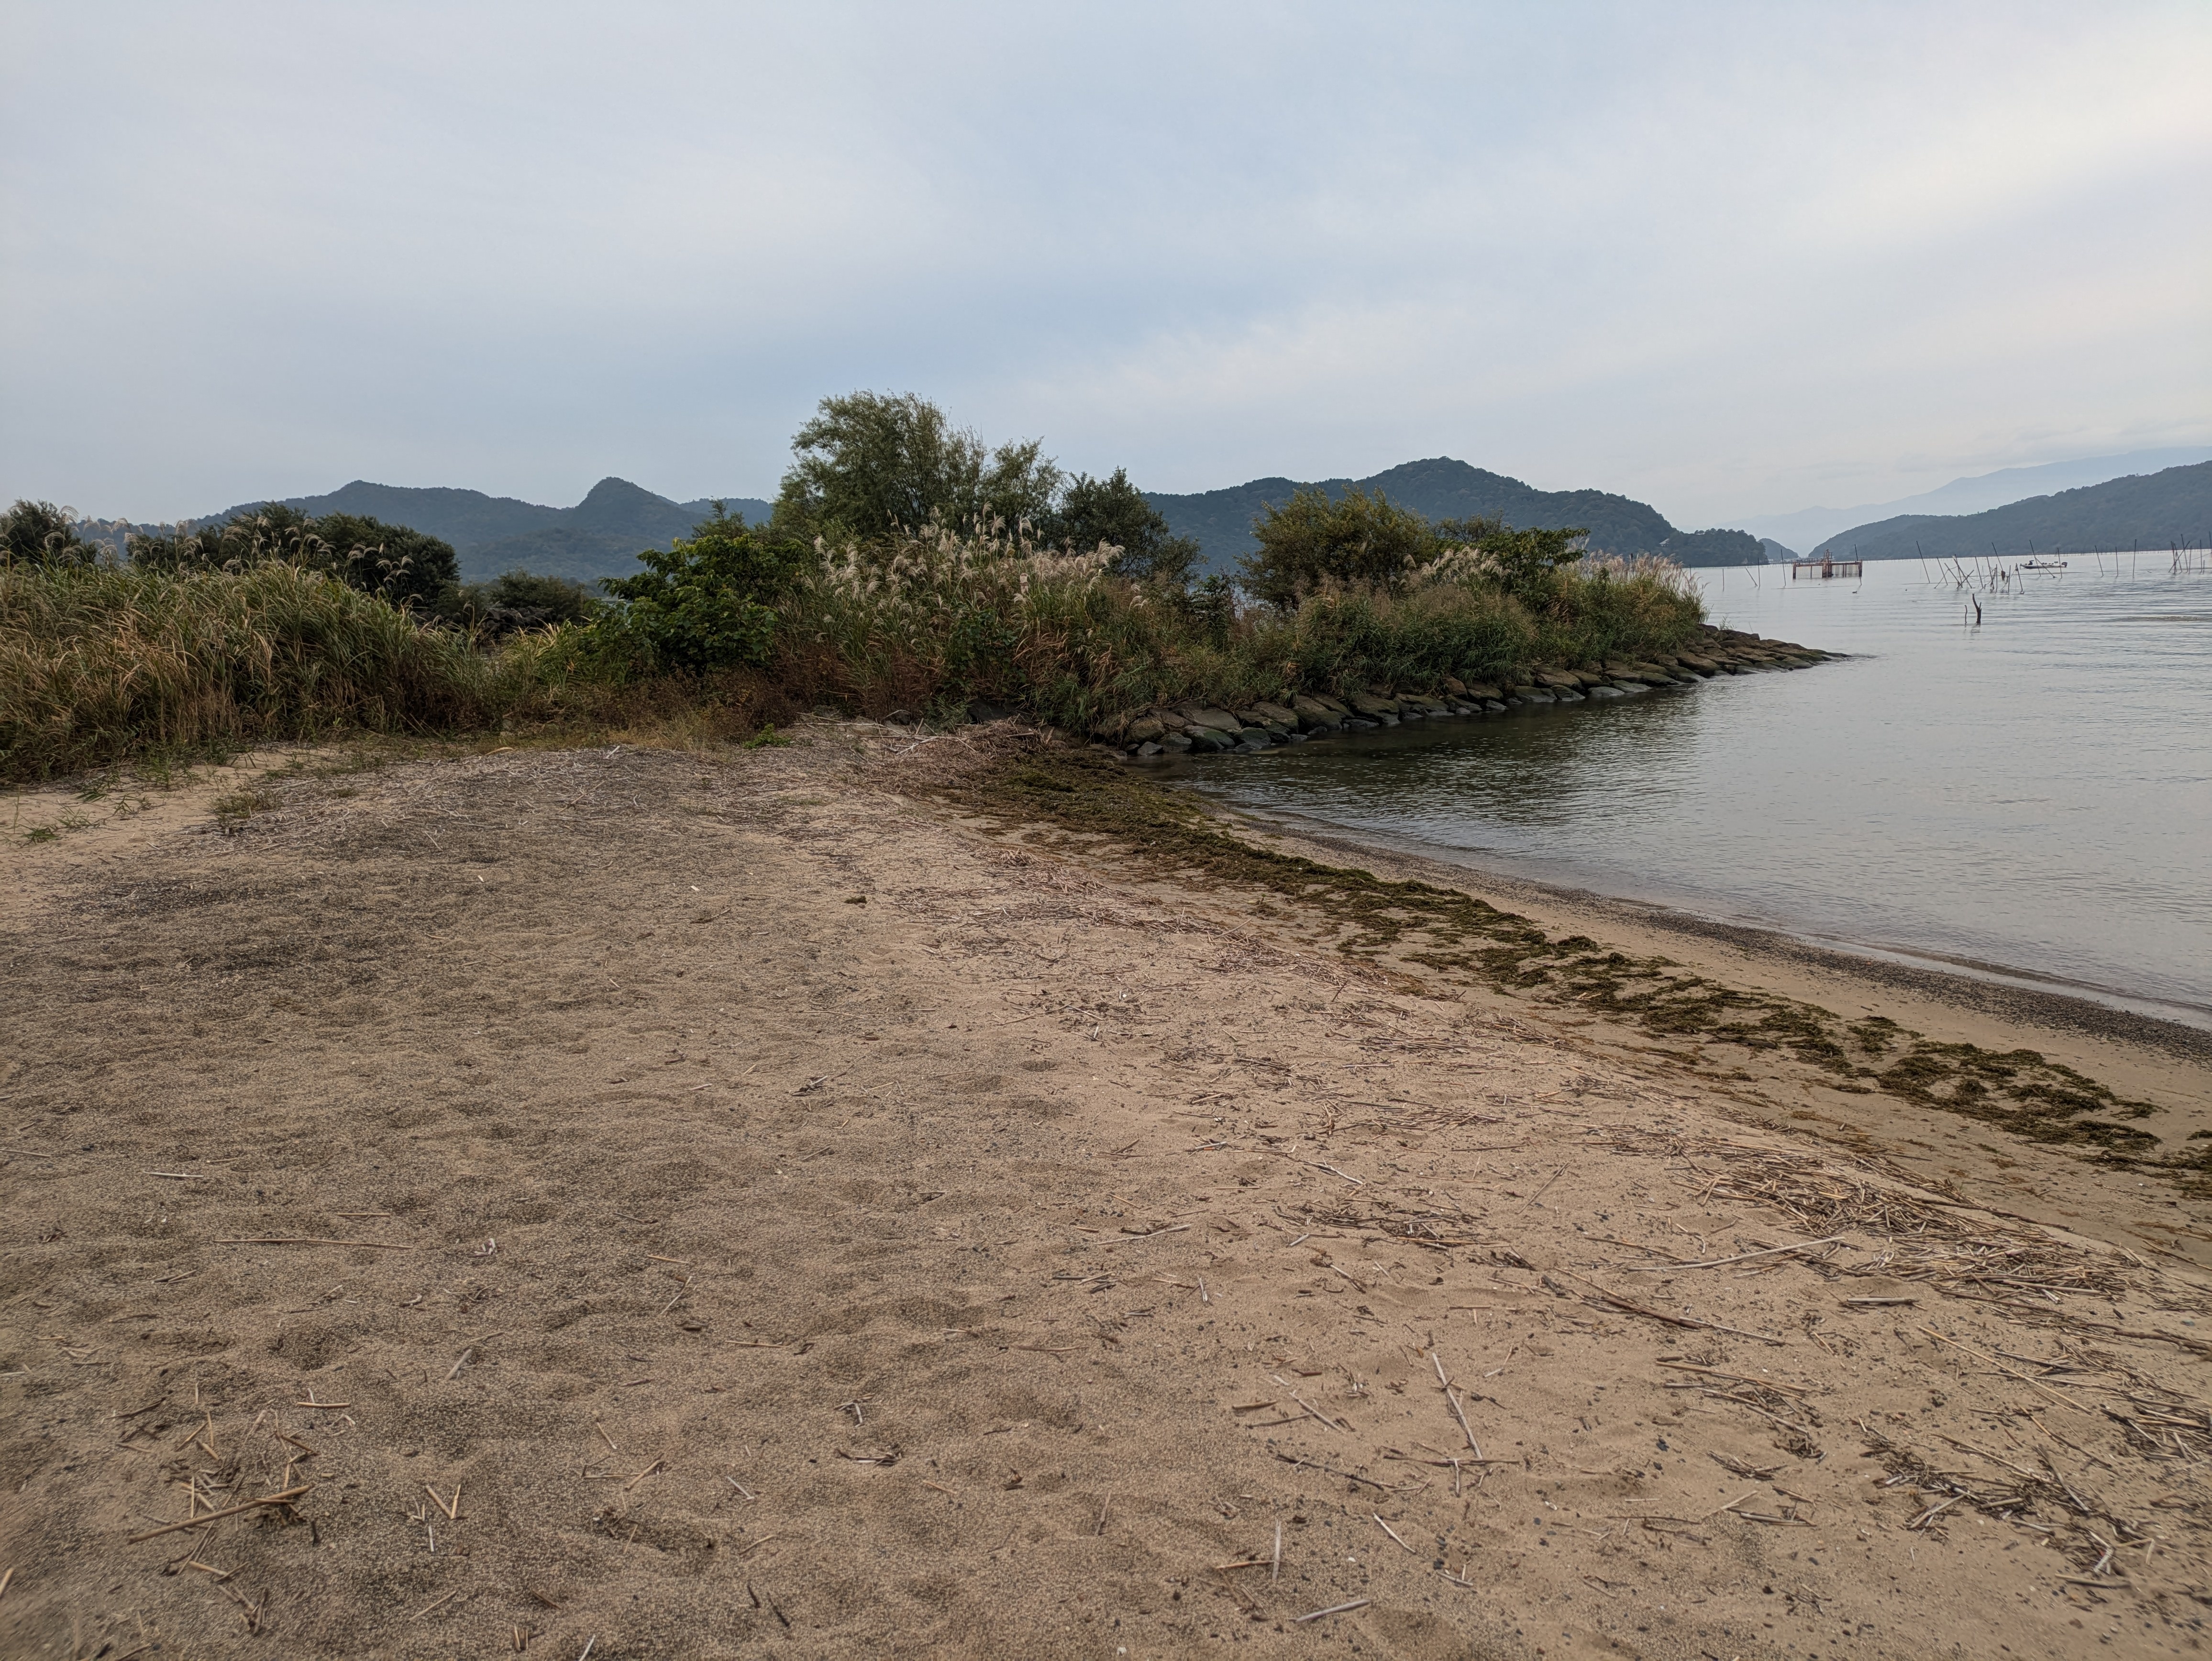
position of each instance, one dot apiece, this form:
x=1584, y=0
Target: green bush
x=516, y=601
x=1527, y=564
x=699, y=607
x=1355, y=540
x=937, y=622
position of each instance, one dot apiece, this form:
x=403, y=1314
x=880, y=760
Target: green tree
x=704, y=604
x=39, y=534
x=1358, y=541
x=1469, y=532
x=406, y=567
x=869, y=463
x=1114, y=511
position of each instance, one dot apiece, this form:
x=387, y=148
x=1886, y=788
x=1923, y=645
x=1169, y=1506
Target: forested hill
x=2146, y=510
x=600, y=536
x=1220, y=521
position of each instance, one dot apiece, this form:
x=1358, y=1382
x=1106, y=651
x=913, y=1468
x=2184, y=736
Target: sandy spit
x=659, y=1204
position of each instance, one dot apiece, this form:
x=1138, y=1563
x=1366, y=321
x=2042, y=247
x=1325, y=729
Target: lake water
x=2031, y=798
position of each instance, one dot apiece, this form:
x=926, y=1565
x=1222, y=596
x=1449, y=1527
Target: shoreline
x=1992, y=989
x=2164, y=1066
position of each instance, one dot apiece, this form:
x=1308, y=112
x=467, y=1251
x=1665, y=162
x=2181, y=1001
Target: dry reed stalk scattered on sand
x=1335, y=1609
x=1614, y=1300
x=1907, y=1233
x=1920, y=1237
x=1392, y=1533
x=1452, y=1402
x=285, y=1498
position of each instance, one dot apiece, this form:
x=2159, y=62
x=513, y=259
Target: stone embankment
x=1185, y=728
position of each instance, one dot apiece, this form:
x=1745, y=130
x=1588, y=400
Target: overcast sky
x=1727, y=259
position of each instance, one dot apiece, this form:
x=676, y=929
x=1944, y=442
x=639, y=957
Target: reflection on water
x=2034, y=795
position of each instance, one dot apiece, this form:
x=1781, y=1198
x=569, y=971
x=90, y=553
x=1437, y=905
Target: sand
x=666, y=1204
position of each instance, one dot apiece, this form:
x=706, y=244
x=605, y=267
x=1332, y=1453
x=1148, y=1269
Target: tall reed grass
x=940, y=619
x=98, y=663
x=101, y=662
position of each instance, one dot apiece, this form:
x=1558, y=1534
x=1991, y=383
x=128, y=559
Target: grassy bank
x=931, y=624
x=98, y=663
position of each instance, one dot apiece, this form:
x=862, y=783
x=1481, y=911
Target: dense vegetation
x=1065, y=597
x=98, y=662
x=37, y=533
x=403, y=566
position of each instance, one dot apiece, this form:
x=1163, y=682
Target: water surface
x=2032, y=796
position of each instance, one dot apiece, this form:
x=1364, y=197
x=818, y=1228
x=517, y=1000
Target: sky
x=1730, y=259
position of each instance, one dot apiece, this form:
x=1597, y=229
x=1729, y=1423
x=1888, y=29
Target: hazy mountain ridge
x=2150, y=510
x=1806, y=527
x=600, y=536
x=1220, y=521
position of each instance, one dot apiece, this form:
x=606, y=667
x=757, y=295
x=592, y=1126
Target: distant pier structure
x=1824, y=567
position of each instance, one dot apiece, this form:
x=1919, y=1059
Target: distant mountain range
x=2157, y=502
x=1810, y=526
x=2150, y=511
x=599, y=537
x=1220, y=521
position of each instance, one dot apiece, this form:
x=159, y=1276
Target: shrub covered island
x=906, y=570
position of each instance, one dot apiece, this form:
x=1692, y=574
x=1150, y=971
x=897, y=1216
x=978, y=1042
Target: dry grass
x=102, y=666
x=98, y=664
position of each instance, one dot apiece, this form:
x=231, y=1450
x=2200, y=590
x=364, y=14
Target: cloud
x=1729, y=257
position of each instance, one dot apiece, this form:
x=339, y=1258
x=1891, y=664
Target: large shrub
x=516, y=601
x=701, y=605
x=39, y=534
x=1527, y=564
x=939, y=620
x=1354, y=540
x=405, y=567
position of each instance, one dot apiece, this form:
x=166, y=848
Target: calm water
x=2032, y=797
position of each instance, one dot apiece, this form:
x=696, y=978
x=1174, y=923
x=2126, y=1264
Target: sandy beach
x=650, y=1203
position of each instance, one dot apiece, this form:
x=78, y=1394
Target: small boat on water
x=2043, y=565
